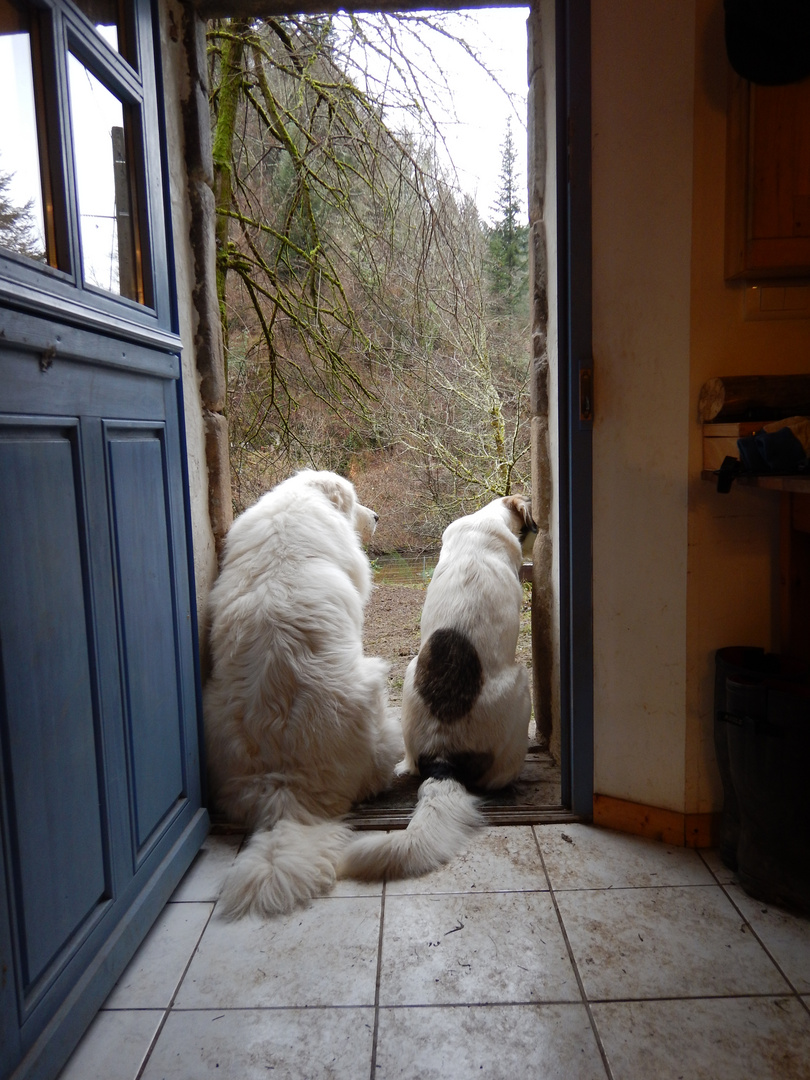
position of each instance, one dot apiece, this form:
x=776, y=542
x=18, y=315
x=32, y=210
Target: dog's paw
x=406, y=767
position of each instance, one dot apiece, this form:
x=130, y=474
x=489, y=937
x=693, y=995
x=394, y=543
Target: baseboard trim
x=680, y=830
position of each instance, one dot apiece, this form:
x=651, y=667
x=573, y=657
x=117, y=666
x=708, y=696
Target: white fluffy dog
x=295, y=714
x=466, y=703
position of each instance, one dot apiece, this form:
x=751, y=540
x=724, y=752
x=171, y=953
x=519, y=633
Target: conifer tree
x=18, y=227
x=508, y=238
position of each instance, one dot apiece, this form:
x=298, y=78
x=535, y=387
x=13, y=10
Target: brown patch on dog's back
x=448, y=674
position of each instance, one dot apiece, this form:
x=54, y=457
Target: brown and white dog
x=296, y=723
x=466, y=703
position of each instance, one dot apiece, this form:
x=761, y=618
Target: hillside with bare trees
x=374, y=323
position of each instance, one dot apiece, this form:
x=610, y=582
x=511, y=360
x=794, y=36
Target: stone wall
x=208, y=345
x=543, y=591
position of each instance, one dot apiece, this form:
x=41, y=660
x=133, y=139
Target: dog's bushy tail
x=445, y=816
x=283, y=867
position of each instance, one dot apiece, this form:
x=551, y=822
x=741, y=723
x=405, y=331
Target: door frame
x=570, y=85
x=575, y=400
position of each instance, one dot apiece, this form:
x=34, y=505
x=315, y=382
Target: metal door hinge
x=586, y=395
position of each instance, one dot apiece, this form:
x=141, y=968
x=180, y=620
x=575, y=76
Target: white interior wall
x=678, y=570
x=642, y=101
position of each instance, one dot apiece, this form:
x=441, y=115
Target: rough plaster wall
x=642, y=96
x=176, y=90
x=733, y=539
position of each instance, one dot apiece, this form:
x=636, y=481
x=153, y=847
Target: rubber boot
x=768, y=733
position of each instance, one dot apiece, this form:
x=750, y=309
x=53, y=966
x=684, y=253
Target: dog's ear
x=338, y=490
x=521, y=508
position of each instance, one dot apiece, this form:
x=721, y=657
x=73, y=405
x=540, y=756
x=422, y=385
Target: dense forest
x=374, y=322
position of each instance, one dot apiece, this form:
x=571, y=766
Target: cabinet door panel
x=143, y=558
x=768, y=180
x=51, y=740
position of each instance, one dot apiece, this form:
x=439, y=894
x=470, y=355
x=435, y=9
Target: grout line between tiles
x=350, y=1007
x=260, y=1008
x=757, y=938
x=591, y=1019
x=439, y=1005
x=638, y=888
x=725, y=886
x=153, y=1042
x=688, y=997
x=705, y=862
x=468, y=892
x=377, y=988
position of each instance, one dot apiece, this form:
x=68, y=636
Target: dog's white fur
x=295, y=714
x=466, y=703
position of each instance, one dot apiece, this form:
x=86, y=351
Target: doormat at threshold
x=533, y=799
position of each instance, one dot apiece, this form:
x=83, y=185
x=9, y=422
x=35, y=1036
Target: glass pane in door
x=104, y=186
x=107, y=17
x=22, y=220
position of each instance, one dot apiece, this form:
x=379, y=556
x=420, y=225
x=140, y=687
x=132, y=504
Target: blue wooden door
x=100, y=794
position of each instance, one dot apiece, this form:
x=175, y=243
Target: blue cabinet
x=100, y=778
x=100, y=801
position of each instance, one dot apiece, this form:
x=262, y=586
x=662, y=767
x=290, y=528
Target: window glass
x=22, y=224
x=103, y=184
x=105, y=15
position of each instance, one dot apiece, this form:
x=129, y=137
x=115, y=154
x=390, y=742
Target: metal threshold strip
x=533, y=799
x=376, y=818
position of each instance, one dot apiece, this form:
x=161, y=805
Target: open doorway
x=558, y=678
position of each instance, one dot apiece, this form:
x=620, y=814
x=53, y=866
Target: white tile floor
x=560, y=951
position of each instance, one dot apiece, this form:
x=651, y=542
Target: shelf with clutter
x=756, y=433
x=761, y=422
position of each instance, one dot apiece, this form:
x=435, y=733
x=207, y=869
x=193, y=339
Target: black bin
x=762, y=738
